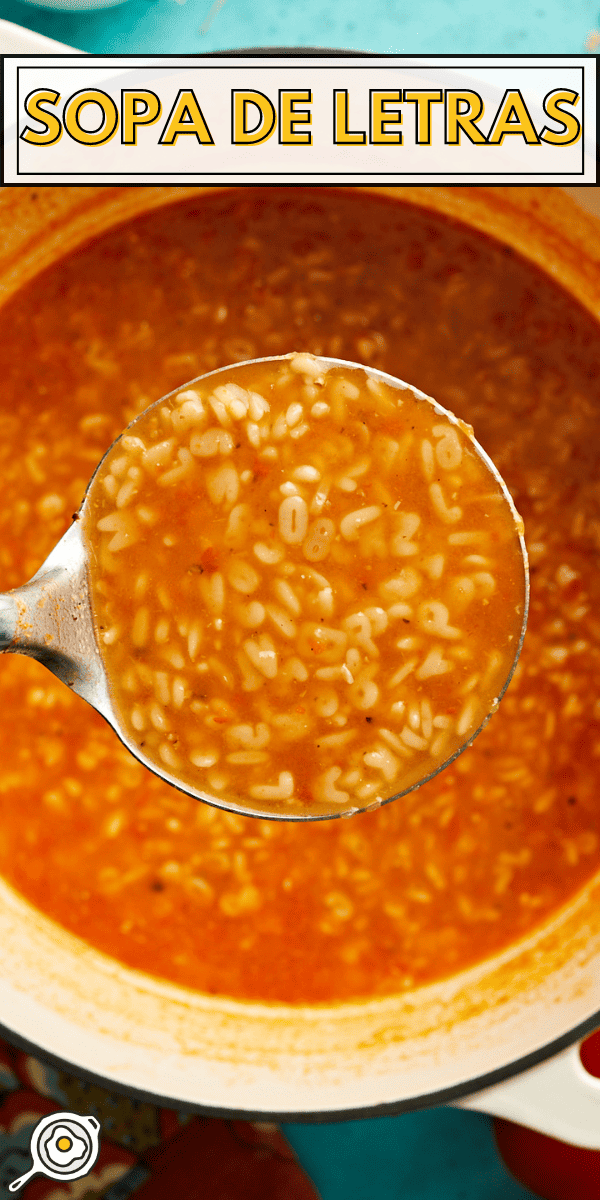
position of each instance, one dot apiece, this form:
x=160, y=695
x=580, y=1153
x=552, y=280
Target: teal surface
x=398, y=26
x=440, y=1154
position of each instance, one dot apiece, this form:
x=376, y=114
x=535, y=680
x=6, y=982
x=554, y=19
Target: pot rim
x=442, y=1096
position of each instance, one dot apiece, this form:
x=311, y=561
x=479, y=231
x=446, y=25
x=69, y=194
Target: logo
x=63, y=1146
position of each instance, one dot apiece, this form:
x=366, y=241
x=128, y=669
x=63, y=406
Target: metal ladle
x=50, y=618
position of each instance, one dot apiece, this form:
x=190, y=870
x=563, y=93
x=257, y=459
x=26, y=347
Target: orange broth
x=494, y=844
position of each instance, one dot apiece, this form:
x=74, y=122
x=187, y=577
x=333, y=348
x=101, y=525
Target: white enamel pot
x=517, y=1015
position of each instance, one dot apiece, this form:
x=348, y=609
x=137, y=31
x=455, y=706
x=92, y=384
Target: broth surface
x=481, y=854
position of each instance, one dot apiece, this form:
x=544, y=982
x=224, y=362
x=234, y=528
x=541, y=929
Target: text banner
x=161, y=119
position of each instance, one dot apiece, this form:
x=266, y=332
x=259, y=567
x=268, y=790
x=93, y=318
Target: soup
x=287, y=559
x=502, y=838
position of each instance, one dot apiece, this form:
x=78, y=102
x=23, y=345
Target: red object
x=553, y=1169
x=589, y=1053
x=549, y=1168
x=23, y=1104
x=225, y=1160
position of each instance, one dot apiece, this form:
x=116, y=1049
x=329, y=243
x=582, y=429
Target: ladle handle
x=42, y=618
x=49, y=618
x=33, y=621
x=9, y=617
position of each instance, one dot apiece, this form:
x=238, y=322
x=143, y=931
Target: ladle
x=50, y=618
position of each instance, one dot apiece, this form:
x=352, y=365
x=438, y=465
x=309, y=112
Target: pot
x=450, y=1042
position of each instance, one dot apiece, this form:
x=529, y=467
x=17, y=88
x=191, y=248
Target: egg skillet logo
x=63, y=1146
